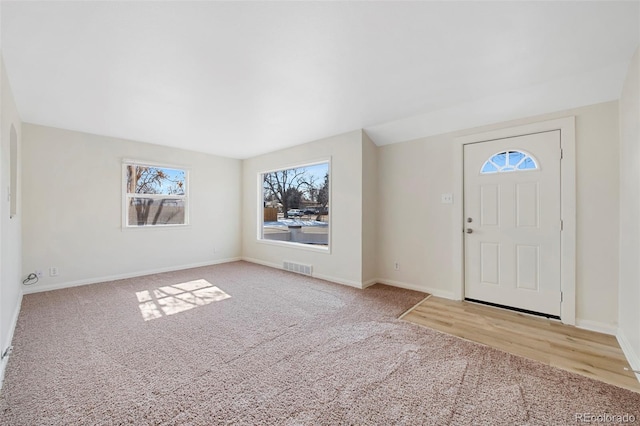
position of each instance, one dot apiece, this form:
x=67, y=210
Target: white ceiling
x=240, y=79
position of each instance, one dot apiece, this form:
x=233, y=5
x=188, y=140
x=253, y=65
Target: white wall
x=369, y=210
x=629, y=305
x=598, y=214
x=409, y=226
x=10, y=228
x=72, y=206
x=414, y=228
x=344, y=261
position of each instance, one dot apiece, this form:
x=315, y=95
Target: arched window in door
x=509, y=161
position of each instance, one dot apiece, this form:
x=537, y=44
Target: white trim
x=369, y=283
x=432, y=291
x=597, y=326
x=336, y=280
x=568, y=205
x=632, y=357
x=261, y=262
x=38, y=289
x=458, y=219
x=156, y=227
x=301, y=246
x=133, y=161
x=260, y=206
x=329, y=278
x=297, y=165
x=12, y=329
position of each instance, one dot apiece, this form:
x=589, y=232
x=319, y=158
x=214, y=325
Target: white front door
x=512, y=222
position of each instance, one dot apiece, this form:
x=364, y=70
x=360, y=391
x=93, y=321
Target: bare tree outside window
x=296, y=204
x=155, y=196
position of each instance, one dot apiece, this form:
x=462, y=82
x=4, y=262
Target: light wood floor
x=591, y=354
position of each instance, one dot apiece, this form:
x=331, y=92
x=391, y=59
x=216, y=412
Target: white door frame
x=567, y=205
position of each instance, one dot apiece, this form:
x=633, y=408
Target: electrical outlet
x=53, y=271
x=396, y=266
x=446, y=199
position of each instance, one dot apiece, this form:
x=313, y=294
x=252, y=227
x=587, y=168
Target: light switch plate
x=447, y=198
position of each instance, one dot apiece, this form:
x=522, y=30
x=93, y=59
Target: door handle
x=469, y=231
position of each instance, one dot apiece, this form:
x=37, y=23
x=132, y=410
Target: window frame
x=126, y=196
x=260, y=206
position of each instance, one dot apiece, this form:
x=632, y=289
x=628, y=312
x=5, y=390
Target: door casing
x=567, y=205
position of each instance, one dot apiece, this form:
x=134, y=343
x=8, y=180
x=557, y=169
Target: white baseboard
x=349, y=283
x=7, y=343
x=633, y=357
x=314, y=275
x=262, y=262
x=37, y=289
x=599, y=327
x=433, y=291
x=369, y=283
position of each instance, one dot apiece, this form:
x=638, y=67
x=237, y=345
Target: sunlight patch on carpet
x=176, y=298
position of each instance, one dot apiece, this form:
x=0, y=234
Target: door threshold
x=511, y=308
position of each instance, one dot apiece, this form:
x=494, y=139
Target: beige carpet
x=244, y=344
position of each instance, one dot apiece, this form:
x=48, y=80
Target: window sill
x=296, y=246
x=155, y=227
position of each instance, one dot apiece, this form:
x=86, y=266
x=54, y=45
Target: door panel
x=490, y=261
x=528, y=264
x=489, y=205
x=512, y=255
x=527, y=205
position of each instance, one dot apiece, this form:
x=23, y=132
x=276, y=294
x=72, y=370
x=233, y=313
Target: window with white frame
x=154, y=195
x=509, y=161
x=295, y=205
